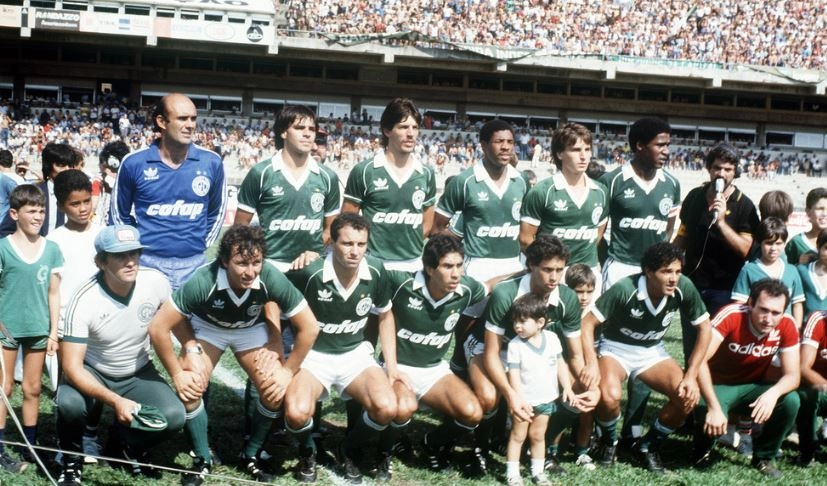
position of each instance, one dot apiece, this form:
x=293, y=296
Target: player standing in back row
x=395, y=191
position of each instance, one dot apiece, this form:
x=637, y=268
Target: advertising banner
x=50, y=19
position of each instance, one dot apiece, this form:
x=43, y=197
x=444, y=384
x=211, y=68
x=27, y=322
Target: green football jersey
x=490, y=222
x=550, y=208
x=639, y=216
x=24, y=288
x=562, y=313
x=291, y=212
x=629, y=316
x=797, y=247
x=394, y=207
x=342, y=313
x=424, y=327
x=207, y=296
x=753, y=272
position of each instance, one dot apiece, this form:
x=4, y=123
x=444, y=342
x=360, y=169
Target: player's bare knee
x=298, y=414
x=610, y=394
x=31, y=389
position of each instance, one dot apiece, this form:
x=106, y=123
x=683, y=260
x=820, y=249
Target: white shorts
x=483, y=269
x=237, y=340
x=339, y=370
x=614, y=270
x=412, y=265
x=424, y=378
x=634, y=359
x=472, y=348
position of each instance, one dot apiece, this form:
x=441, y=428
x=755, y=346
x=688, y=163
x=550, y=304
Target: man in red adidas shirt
x=744, y=340
x=813, y=391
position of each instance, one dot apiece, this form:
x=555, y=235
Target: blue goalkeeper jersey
x=179, y=212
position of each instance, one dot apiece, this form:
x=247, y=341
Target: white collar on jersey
x=525, y=287
x=277, y=163
x=381, y=161
x=328, y=273
x=482, y=175
x=628, y=172
x=643, y=294
x=560, y=182
x=419, y=282
x=222, y=283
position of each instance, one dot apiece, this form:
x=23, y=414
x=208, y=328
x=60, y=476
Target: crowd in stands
x=245, y=141
x=783, y=33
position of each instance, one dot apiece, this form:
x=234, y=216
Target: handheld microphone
x=719, y=189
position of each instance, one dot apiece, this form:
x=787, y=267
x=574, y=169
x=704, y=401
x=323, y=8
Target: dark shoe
x=140, y=466
x=384, y=468
x=255, y=470
x=436, y=457
x=605, y=455
x=553, y=466
x=348, y=467
x=69, y=475
x=805, y=459
x=703, y=448
x=649, y=459
x=478, y=468
x=403, y=449
x=198, y=472
x=306, y=472
x=766, y=467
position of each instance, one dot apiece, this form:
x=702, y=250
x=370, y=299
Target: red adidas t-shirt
x=744, y=357
x=815, y=334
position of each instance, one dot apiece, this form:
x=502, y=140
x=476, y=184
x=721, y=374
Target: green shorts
x=545, y=408
x=36, y=343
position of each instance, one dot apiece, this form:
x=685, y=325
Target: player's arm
x=217, y=204
x=809, y=376
x=189, y=382
x=564, y=378
x=306, y=327
x=428, y=221
x=53, y=298
x=528, y=232
x=715, y=423
x=496, y=373
x=688, y=388
x=350, y=207
x=740, y=242
x=71, y=355
x=328, y=220
x=123, y=194
x=387, y=337
x=764, y=405
x=798, y=314
x=242, y=217
x=590, y=374
x=670, y=226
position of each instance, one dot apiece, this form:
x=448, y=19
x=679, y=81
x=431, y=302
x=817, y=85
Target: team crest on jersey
x=515, y=210
x=451, y=321
x=415, y=303
x=665, y=205
x=629, y=193
x=482, y=196
x=380, y=184
x=317, y=202
x=363, y=307
x=201, y=185
x=43, y=274
x=151, y=174
x=325, y=296
x=254, y=310
x=667, y=319
x=560, y=205
x=218, y=304
x=418, y=198
x=597, y=213
x=146, y=311
x=277, y=191
x=637, y=314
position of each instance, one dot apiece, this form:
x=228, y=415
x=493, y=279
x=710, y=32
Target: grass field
x=226, y=424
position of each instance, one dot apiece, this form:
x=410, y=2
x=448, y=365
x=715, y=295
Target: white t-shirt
x=538, y=367
x=78, y=248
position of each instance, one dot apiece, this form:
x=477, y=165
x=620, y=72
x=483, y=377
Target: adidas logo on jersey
x=150, y=174
x=629, y=193
x=218, y=304
x=415, y=303
x=380, y=184
x=482, y=196
x=636, y=313
x=752, y=349
x=430, y=339
x=278, y=191
x=560, y=205
x=325, y=296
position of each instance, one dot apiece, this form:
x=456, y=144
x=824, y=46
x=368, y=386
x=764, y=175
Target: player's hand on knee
x=518, y=407
x=402, y=378
x=590, y=375
x=189, y=385
x=267, y=359
x=763, y=406
x=689, y=393
x=196, y=362
x=275, y=384
x=588, y=400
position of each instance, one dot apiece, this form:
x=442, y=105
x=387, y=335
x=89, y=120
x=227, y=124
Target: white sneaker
x=586, y=462
x=514, y=481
